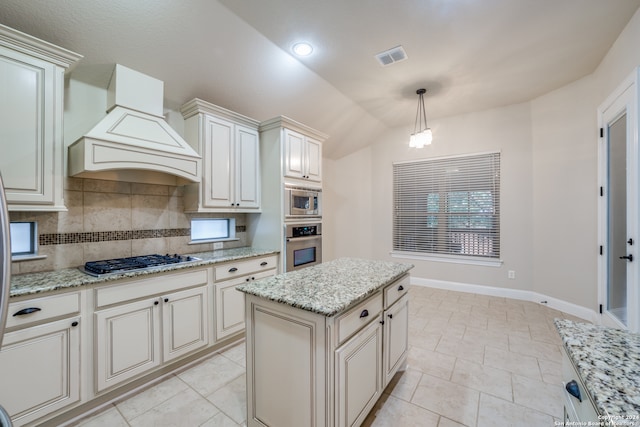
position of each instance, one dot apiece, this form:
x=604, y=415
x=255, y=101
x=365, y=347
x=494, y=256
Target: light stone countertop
x=328, y=288
x=608, y=362
x=36, y=283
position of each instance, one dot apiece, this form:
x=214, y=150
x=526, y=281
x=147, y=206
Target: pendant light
x=421, y=136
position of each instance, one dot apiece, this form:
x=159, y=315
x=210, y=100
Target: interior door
x=619, y=208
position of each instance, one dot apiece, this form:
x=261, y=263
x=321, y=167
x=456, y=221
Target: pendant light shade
x=421, y=135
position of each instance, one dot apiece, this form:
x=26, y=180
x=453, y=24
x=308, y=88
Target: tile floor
x=474, y=360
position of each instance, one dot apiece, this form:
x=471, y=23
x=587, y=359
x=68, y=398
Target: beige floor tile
x=232, y=400
x=109, y=418
x=496, y=412
x=237, y=354
x=446, y=422
x=404, y=384
x=538, y=349
x=453, y=401
x=486, y=337
x=186, y=409
x=483, y=378
x=513, y=362
x=538, y=395
x=220, y=420
x=396, y=412
x=477, y=320
x=423, y=339
x=431, y=362
x=151, y=397
x=211, y=374
x=551, y=371
x=461, y=349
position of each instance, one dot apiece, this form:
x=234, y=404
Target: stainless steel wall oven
x=303, y=245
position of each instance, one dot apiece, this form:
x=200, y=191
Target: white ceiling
x=469, y=54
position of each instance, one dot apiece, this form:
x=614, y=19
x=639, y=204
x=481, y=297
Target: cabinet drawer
x=585, y=410
x=395, y=291
x=35, y=310
x=152, y=286
x=241, y=268
x=357, y=317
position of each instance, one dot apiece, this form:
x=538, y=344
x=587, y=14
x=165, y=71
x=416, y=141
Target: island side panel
x=286, y=365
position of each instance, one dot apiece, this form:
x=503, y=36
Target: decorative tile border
x=110, y=236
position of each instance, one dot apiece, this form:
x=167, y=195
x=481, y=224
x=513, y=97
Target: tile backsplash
x=112, y=219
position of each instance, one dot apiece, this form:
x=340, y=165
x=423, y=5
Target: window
x=448, y=207
x=212, y=229
x=23, y=238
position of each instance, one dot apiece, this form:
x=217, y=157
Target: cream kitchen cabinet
x=31, y=112
x=40, y=357
x=396, y=328
x=302, y=156
x=229, y=145
x=229, y=303
x=142, y=324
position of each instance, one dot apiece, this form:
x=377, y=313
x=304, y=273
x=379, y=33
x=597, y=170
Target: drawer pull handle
x=263, y=263
x=233, y=270
x=74, y=324
x=25, y=311
x=400, y=288
x=364, y=313
x=573, y=389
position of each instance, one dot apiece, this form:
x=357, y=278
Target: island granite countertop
x=608, y=361
x=36, y=283
x=328, y=288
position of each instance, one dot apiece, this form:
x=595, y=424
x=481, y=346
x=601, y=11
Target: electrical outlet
x=511, y=274
x=217, y=245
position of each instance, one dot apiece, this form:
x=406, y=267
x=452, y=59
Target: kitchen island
x=323, y=342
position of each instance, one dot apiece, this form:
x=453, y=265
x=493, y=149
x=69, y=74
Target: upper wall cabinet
x=303, y=156
x=31, y=142
x=300, y=147
x=229, y=145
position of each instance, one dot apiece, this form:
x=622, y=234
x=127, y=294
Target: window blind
x=448, y=206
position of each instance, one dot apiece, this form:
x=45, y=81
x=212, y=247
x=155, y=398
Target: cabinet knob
x=573, y=389
x=401, y=288
x=25, y=311
x=166, y=300
x=382, y=322
x=390, y=316
x=364, y=313
x=74, y=324
x=247, y=279
x=156, y=303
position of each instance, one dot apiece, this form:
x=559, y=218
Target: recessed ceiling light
x=302, y=49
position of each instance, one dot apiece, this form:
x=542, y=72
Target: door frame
x=623, y=99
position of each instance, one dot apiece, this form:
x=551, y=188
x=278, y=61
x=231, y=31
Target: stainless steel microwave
x=302, y=202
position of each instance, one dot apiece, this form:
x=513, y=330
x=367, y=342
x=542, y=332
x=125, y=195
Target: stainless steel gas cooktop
x=135, y=263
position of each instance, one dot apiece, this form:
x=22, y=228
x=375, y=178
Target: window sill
x=448, y=258
x=30, y=257
x=197, y=242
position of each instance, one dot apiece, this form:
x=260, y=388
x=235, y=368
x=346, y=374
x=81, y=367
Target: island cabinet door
x=396, y=338
x=358, y=375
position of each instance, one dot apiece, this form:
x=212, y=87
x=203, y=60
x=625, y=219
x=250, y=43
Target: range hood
x=133, y=142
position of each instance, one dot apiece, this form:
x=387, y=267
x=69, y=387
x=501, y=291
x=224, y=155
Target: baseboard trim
x=555, y=303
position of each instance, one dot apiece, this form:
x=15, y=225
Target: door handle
x=629, y=257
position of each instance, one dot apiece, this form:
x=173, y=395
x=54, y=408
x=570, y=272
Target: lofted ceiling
x=470, y=55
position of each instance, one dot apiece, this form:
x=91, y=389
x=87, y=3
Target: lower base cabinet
x=40, y=370
x=304, y=368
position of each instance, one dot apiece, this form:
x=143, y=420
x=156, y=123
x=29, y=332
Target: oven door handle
x=304, y=239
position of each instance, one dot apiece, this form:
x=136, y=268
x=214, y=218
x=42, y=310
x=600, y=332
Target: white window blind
x=448, y=206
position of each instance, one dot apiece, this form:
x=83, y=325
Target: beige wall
x=549, y=184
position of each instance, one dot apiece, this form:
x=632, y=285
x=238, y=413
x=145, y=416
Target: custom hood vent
x=133, y=142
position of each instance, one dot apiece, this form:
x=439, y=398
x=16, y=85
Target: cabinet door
x=313, y=159
x=247, y=163
x=396, y=340
x=294, y=154
x=358, y=380
x=127, y=341
x=230, y=313
x=31, y=123
x=40, y=369
x=184, y=321
x=218, y=151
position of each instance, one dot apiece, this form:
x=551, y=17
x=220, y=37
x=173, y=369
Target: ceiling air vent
x=391, y=56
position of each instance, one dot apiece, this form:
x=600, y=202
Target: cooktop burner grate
x=120, y=265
